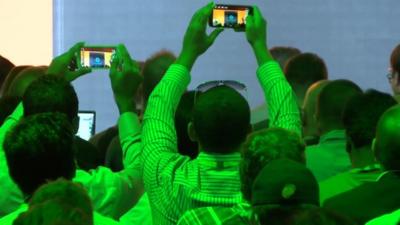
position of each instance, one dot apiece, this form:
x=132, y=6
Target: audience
x=282, y=55
x=260, y=148
x=373, y=199
x=360, y=117
x=310, y=127
x=329, y=156
x=302, y=71
x=394, y=70
x=193, y=157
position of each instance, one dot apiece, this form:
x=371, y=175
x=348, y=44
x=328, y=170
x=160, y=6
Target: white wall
x=26, y=32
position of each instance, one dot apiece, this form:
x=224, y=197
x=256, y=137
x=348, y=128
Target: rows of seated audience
x=324, y=151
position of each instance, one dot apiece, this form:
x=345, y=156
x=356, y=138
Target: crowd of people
x=327, y=152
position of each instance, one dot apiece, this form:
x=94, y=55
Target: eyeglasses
x=241, y=88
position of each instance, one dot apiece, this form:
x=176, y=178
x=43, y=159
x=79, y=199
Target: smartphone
x=230, y=16
x=96, y=57
x=87, y=124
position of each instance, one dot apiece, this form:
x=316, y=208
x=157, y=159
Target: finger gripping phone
x=230, y=16
x=96, y=57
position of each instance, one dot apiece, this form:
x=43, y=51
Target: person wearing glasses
x=393, y=75
x=221, y=122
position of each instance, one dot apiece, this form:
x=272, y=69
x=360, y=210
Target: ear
x=75, y=124
x=191, y=132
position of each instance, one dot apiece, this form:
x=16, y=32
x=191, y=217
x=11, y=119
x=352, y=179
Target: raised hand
x=60, y=66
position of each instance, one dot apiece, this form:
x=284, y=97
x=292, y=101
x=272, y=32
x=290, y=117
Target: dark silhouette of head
x=154, y=69
x=5, y=67
x=183, y=116
x=387, y=140
x=14, y=72
x=283, y=54
x=331, y=102
x=24, y=79
x=266, y=145
x=38, y=149
x=51, y=94
x=221, y=120
x=302, y=71
x=361, y=115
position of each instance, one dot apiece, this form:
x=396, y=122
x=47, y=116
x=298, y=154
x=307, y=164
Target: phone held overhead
x=230, y=16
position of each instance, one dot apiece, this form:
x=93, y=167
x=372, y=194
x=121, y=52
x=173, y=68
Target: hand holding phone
x=230, y=16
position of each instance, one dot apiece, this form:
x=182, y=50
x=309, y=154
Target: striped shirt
x=174, y=183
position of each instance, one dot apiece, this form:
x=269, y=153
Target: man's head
x=266, y=145
x=387, y=140
x=24, y=78
x=310, y=128
x=221, y=120
x=361, y=115
x=395, y=70
x=5, y=67
x=303, y=70
x=154, y=69
x=331, y=102
x=38, y=149
x=51, y=94
x=283, y=185
x=283, y=54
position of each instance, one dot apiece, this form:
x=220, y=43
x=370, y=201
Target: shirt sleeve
x=130, y=137
x=281, y=101
x=161, y=159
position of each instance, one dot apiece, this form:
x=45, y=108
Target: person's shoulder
x=354, y=196
x=9, y=219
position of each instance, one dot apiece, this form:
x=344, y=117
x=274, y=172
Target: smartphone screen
x=87, y=122
x=96, y=57
x=230, y=16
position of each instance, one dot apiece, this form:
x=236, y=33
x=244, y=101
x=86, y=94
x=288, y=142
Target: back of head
x=361, y=115
x=5, y=67
x=263, y=146
x=309, y=107
x=183, y=116
x=283, y=54
x=303, y=70
x=50, y=94
x=395, y=59
x=387, y=142
x=331, y=102
x=154, y=69
x=221, y=119
x=24, y=79
x=66, y=193
x=38, y=149
x=10, y=78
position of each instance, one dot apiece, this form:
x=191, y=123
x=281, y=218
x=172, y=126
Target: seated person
x=373, y=199
x=221, y=122
x=329, y=156
x=360, y=117
x=259, y=149
x=40, y=149
x=112, y=194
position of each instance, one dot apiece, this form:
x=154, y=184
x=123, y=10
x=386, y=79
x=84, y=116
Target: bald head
x=24, y=79
x=309, y=107
x=387, y=142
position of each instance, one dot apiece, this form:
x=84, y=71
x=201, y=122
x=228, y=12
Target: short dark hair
x=183, y=116
x=50, y=94
x=266, y=145
x=283, y=54
x=5, y=67
x=395, y=59
x=154, y=69
x=387, y=144
x=40, y=148
x=332, y=100
x=361, y=115
x=305, y=69
x=221, y=119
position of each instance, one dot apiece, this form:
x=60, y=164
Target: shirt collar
x=219, y=161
